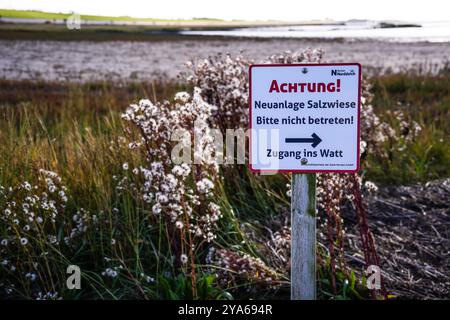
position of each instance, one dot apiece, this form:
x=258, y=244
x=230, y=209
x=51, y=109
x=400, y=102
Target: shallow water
x=429, y=31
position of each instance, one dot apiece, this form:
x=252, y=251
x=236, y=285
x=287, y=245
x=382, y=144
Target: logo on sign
x=342, y=73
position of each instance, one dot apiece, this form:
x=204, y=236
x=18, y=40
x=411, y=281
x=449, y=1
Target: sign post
x=303, y=236
x=304, y=119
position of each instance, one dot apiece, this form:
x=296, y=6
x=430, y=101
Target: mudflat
x=82, y=61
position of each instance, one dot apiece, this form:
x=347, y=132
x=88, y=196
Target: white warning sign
x=305, y=117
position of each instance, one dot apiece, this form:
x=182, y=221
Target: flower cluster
x=28, y=209
x=183, y=192
x=301, y=56
x=223, y=82
x=34, y=220
x=48, y=296
x=409, y=129
x=374, y=131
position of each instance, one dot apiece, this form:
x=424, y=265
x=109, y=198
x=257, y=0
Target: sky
x=293, y=10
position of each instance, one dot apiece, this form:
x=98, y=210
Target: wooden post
x=303, y=236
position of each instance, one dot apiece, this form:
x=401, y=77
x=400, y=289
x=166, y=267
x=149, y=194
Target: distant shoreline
x=206, y=24
x=40, y=17
x=101, y=33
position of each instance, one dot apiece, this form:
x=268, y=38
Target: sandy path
x=124, y=60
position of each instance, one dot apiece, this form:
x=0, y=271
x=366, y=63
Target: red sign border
x=304, y=65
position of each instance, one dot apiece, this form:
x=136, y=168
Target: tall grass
x=412, y=102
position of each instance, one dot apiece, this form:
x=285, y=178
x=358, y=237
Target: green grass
x=31, y=14
x=34, y=14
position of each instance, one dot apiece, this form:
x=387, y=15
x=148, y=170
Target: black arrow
x=315, y=140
